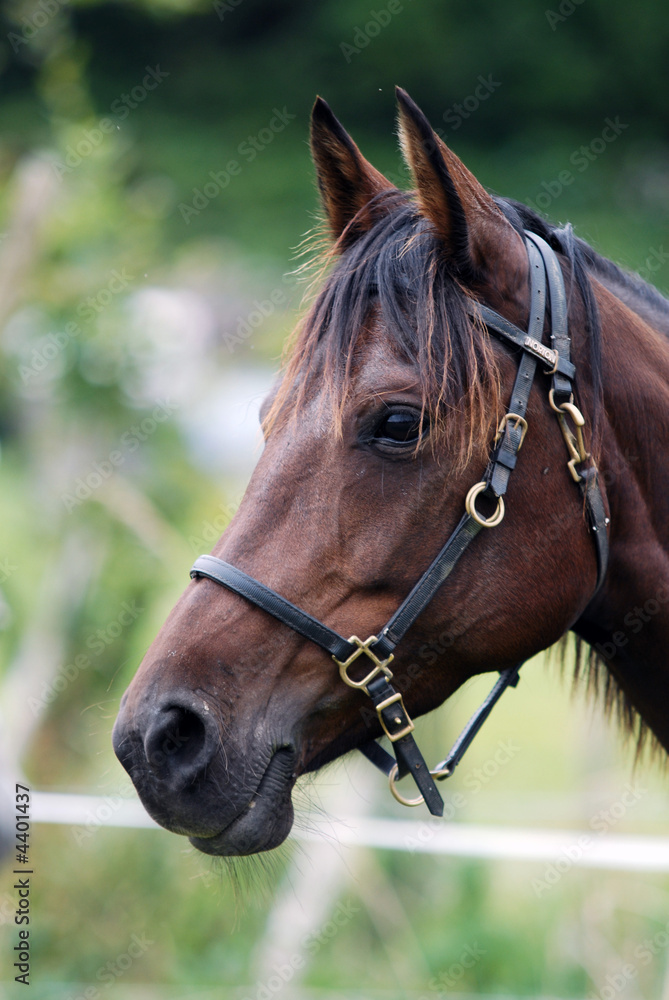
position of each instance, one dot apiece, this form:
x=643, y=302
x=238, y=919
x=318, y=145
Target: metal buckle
x=393, y=700
x=574, y=441
x=518, y=422
x=380, y=666
x=490, y=522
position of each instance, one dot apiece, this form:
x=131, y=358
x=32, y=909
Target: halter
x=545, y=272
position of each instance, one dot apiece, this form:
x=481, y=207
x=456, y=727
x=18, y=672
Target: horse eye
x=400, y=426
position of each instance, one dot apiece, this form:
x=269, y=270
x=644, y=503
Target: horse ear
x=347, y=182
x=467, y=221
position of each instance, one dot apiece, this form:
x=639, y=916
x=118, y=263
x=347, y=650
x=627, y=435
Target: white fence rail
x=430, y=836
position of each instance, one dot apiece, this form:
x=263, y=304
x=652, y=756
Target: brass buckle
x=490, y=522
x=518, y=422
x=380, y=666
x=393, y=700
x=574, y=441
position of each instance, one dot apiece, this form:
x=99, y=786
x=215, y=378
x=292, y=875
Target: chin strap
x=387, y=763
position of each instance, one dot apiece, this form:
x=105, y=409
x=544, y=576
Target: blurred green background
x=155, y=183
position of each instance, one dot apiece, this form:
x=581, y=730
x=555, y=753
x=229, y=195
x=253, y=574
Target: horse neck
x=635, y=441
x=627, y=624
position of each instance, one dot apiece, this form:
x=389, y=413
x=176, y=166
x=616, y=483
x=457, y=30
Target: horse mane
x=642, y=298
x=396, y=272
x=650, y=305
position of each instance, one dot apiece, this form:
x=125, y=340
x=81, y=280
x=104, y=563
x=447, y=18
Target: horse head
x=380, y=424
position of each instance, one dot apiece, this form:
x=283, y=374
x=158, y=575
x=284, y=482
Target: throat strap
x=386, y=762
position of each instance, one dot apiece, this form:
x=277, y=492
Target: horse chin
x=267, y=819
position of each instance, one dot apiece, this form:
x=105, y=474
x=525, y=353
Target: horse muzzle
x=228, y=799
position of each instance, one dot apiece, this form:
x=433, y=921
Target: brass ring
x=553, y=404
x=441, y=773
x=392, y=778
x=553, y=370
x=490, y=522
x=567, y=408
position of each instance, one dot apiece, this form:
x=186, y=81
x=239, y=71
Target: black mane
x=641, y=297
x=397, y=270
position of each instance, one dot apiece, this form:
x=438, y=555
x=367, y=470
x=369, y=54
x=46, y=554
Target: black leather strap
x=497, y=474
x=503, y=459
x=594, y=505
x=379, y=757
x=271, y=602
x=563, y=393
x=428, y=585
x=560, y=341
x=513, y=335
x=507, y=678
x=385, y=761
x=408, y=757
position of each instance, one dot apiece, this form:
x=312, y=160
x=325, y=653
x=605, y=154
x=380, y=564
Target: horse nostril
x=178, y=744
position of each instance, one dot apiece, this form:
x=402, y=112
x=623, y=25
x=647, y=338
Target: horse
x=450, y=328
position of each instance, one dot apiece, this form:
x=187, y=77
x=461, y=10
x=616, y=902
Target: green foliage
x=119, y=202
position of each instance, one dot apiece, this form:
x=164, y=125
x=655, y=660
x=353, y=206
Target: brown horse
x=380, y=424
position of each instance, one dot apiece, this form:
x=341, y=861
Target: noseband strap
x=374, y=654
x=271, y=602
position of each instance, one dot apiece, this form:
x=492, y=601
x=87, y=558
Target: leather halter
x=545, y=275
